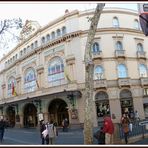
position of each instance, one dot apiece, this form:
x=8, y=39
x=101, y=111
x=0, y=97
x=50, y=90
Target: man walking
x=2, y=129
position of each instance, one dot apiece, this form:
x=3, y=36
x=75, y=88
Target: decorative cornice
x=40, y=69
x=42, y=47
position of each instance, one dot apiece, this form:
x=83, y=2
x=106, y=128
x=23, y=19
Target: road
x=24, y=136
x=14, y=136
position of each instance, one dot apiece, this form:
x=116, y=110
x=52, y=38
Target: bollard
x=143, y=131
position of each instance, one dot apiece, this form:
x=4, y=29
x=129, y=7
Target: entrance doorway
x=11, y=116
x=126, y=101
x=58, y=110
x=102, y=105
x=30, y=115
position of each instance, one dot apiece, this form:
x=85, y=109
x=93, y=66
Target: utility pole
x=89, y=70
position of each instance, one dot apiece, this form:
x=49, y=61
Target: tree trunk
x=89, y=70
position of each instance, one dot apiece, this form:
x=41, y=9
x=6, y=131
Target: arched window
x=48, y=37
x=126, y=101
x=32, y=46
x=43, y=40
x=11, y=86
x=136, y=25
x=95, y=47
x=98, y=73
x=36, y=44
x=30, y=83
x=122, y=71
x=21, y=53
x=53, y=35
x=63, y=30
x=115, y=22
x=55, y=71
x=58, y=33
x=119, y=45
x=16, y=56
x=140, y=47
x=28, y=48
x=143, y=70
x=24, y=50
x=102, y=104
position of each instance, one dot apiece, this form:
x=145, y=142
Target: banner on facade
x=143, y=17
x=41, y=117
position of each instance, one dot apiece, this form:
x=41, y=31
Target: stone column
x=40, y=72
x=3, y=90
x=18, y=86
x=21, y=121
x=46, y=117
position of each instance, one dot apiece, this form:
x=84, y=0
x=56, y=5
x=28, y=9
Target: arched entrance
x=30, y=115
x=126, y=101
x=11, y=116
x=102, y=105
x=58, y=110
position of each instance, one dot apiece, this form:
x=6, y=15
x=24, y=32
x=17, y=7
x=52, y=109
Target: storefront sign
x=41, y=116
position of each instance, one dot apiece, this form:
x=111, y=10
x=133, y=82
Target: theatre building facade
x=43, y=77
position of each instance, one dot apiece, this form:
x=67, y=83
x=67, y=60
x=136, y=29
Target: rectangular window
x=145, y=93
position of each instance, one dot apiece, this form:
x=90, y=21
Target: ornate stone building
x=43, y=77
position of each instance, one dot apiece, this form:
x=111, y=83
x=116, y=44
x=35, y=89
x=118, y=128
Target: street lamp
x=38, y=104
x=71, y=99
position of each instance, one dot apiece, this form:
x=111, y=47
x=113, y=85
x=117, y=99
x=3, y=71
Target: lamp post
x=71, y=99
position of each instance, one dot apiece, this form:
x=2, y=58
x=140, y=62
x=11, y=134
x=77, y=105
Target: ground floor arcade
x=70, y=105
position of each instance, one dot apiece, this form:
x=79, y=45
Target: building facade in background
x=44, y=76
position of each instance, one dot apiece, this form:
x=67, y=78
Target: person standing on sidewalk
x=43, y=127
x=125, y=126
x=2, y=129
x=52, y=132
x=108, y=129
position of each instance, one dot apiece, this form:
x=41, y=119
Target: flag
x=13, y=90
x=67, y=75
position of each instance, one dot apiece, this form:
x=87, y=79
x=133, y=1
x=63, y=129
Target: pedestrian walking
x=108, y=129
x=100, y=136
x=65, y=125
x=137, y=116
x=44, y=136
x=125, y=126
x=2, y=129
x=52, y=132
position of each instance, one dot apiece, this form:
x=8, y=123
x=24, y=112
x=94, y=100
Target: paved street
x=32, y=137
x=24, y=136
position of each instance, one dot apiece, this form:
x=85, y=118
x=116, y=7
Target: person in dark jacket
x=100, y=136
x=42, y=128
x=2, y=129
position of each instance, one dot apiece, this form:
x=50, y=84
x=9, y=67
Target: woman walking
x=125, y=126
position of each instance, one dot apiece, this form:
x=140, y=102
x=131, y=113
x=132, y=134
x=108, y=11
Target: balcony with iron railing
x=141, y=54
x=144, y=81
x=120, y=53
x=97, y=55
x=100, y=83
x=124, y=82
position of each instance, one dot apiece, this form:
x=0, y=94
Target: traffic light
x=143, y=17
